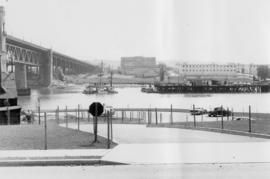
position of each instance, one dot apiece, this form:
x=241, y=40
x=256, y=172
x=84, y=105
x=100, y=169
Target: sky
x=194, y=31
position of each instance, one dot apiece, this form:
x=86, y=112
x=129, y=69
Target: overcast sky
x=186, y=30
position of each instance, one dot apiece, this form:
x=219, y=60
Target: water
x=133, y=97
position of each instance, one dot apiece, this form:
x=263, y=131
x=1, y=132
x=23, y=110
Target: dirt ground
x=31, y=136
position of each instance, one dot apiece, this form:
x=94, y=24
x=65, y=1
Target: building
x=139, y=66
x=220, y=73
x=217, y=69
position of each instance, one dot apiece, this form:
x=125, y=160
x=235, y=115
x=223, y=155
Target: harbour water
x=133, y=97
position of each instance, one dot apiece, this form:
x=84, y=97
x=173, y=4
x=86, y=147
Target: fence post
x=39, y=114
x=122, y=116
x=140, y=116
x=78, y=117
x=148, y=116
x=38, y=110
x=111, y=125
x=57, y=114
x=88, y=117
x=171, y=115
x=186, y=119
x=144, y=116
x=232, y=115
x=228, y=114
x=222, y=117
x=160, y=118
x=249, y=118
x=194, y=122
x=156, y=116
x=45, y=131
x=8, y=116
x=108, y=131
x=66, y=117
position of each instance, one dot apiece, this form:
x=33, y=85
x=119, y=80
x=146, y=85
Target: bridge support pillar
x=20, y=76
x=46, y=70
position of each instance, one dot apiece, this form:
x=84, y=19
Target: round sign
x=96, y=109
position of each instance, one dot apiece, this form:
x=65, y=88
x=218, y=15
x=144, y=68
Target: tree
x=263, y=72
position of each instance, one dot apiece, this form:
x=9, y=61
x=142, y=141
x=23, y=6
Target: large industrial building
x=218, y=73
x=139, y=66
x=217, y=69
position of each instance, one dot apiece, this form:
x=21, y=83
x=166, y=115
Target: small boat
x=100, y=88
x=111, y=90
x=90, y=90
x=149, y=89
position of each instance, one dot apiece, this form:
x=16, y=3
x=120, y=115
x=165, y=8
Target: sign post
x=96, y=109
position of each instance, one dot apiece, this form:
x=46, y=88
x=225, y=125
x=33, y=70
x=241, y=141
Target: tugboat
x=100, y=88
x=9, y=109
x=90, y=90
x=149, y=89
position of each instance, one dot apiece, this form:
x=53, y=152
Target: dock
x=180, y=88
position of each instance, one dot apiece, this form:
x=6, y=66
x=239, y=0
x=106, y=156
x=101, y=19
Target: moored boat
x=100, y=88
x=148, y=89
x=90, y=90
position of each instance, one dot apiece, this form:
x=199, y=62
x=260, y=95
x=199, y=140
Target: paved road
x=132, y=133
x=192, y=171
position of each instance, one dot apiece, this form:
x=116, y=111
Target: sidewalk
x=141, y=145
x=190, y=153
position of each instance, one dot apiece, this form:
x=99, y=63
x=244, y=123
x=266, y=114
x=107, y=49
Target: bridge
x=29, y=58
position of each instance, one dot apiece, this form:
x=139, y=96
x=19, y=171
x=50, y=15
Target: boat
x=111, y=90
x=90, y=90
x=100, y=88
x=149, y=89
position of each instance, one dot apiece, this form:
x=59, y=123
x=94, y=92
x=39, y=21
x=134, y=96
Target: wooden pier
x=180, y=88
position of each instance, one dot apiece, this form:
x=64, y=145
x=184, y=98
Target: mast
x=101, y=71
x=111, y=79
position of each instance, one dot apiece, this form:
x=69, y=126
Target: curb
x=56, y=162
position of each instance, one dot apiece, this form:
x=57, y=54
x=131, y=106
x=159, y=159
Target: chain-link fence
x=220, y=119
